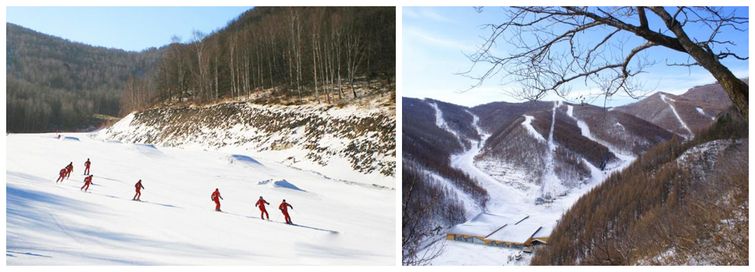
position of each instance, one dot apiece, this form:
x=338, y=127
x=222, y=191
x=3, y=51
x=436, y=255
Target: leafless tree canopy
x=550, y=47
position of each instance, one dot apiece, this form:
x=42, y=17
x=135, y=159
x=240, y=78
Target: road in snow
x=684, y=125
x=57, y=224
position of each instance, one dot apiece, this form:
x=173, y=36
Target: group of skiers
x=283, y=207
x=65, y=173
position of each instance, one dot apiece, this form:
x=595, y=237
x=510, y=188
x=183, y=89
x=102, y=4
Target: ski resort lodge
x=502, y=231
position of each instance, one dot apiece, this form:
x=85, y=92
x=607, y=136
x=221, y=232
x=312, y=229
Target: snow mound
x=286, y=185
x=69, y=138
x=147, y=149
x=146, y=146
x=244, y=159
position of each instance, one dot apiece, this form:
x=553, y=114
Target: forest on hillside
x=291, y=52
x=664, y=210
x=55, y=84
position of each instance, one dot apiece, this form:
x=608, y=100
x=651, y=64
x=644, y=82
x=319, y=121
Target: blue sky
x=435, y=40
x=128, y=28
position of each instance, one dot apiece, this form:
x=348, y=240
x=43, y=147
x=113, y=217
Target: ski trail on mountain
x=585, y=131
x=527, y=124
x=501, y=196
x=471, y=207
x=678, y=117
x=441, y=123
x=550, y=181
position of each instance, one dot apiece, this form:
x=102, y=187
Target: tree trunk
x=733, y=86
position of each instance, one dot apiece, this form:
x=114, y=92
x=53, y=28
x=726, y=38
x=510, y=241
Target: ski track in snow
x=52, y=223
x=678, y=117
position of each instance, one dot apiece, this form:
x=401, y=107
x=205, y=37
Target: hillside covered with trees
x=56, y=84
x=680, y=203
x=323, y=53
x=269, y=54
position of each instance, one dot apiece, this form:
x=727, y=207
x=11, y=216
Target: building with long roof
x=500, y=230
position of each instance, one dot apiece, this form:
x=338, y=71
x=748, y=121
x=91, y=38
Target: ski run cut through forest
x=51, y=223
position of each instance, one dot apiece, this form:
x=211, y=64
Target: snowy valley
x=532, y=161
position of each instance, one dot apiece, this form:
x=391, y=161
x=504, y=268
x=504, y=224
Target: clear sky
x=128, y=28
x=435, y=40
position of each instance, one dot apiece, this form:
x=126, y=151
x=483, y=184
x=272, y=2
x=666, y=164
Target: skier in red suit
x=69, y=168
x=87, y=182
x=61, y=175
x=261, y=204
x=216, y=197
x=139, y=188
x=284, y=209
x=86, y=166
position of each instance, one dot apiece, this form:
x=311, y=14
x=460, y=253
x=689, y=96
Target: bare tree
x=415, y=232
x=552, y=46
x=202, y=66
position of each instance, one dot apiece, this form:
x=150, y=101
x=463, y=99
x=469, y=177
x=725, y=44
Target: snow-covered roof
x=483, y=224
x=517, y=232
x=509, y=228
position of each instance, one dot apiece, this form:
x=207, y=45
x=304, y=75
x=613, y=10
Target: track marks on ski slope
x=279, y=222
x=295, y=225
x=678, y=117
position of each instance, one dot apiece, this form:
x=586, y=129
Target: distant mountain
x=56, y=84
x=686, y=114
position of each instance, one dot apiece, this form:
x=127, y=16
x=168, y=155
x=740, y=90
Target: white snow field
x=338, y=223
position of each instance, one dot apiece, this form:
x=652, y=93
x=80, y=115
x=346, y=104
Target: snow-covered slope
x=55, y=224
x=354, y=143
x=539, y=164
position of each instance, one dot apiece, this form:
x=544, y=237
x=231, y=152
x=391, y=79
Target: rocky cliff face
x=353, y=143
